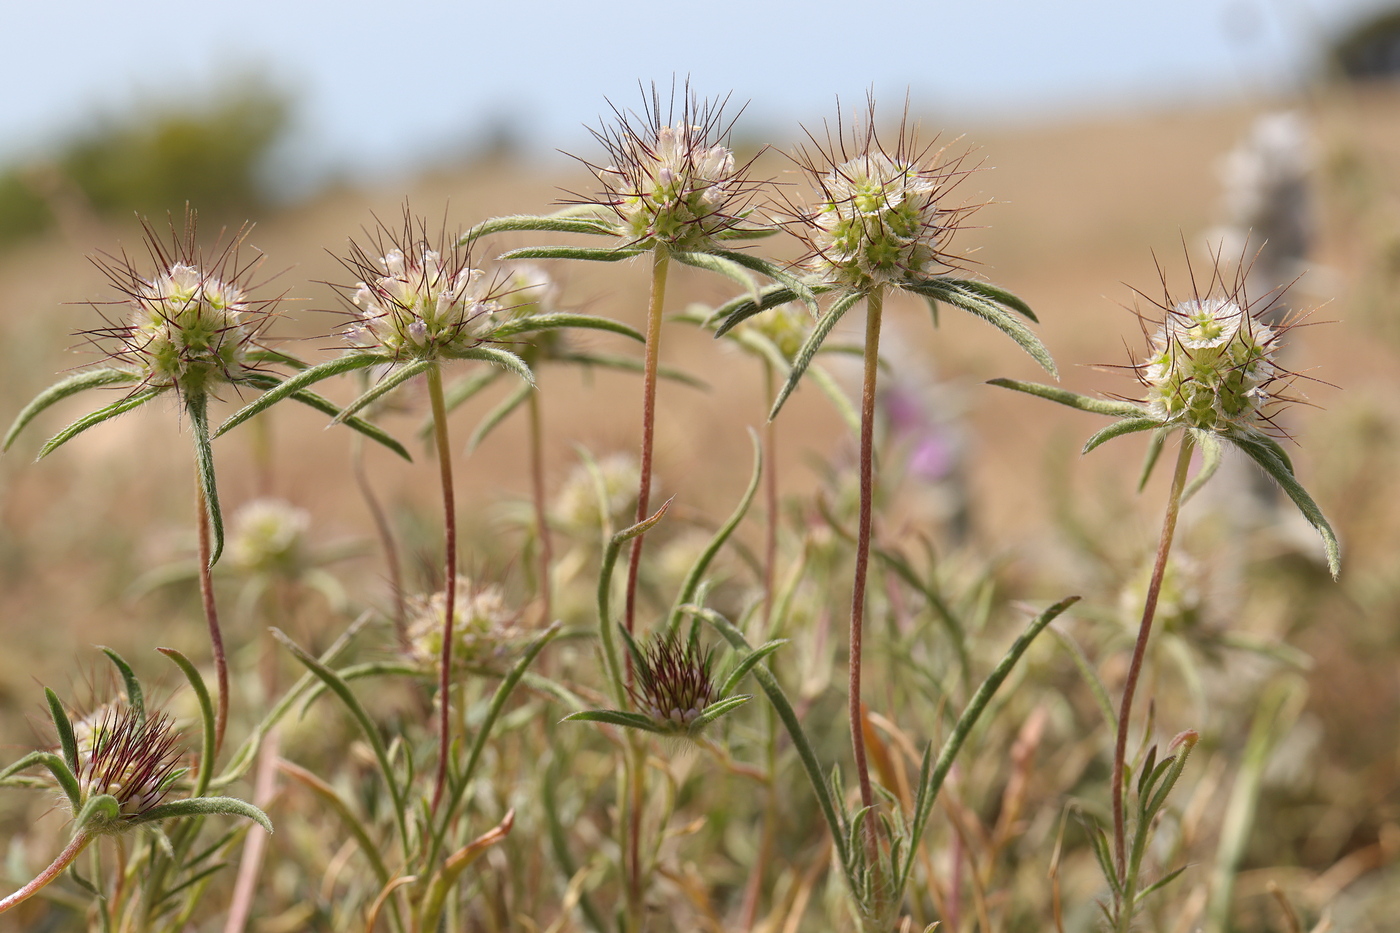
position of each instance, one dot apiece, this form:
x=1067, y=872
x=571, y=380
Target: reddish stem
x=874, y=306
x=1149, y=611
x=542, y=534
x=211, y=615
x=65, y=858
x=449, y=509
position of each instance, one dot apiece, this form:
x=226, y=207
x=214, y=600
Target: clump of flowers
x=127, y=755
x=269, y=537
x=671, y=179
x=191, y=324
x=1211, y=367
x=485, y=628
x=420, y=303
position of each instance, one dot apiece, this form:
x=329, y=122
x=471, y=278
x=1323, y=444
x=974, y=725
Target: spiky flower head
x=610, y=484
x=485, y=628
x=670, y=177
x=883, y=215
x=190, y=323
x=417, y=299
x=269, y=537
x=1211, y=364
x=674, y=683
x=130, y=756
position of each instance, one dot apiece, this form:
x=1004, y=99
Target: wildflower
x=191, y=324
x=671, y=179
x=129, y=756
x=674, y=682
x=1211, y=371
x=269, y=536
x=416, y=302
x=485, y=628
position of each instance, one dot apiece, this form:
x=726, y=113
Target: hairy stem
x=211, y=615
x=660, y=264
x=543, y=538
x=65, y=858
x=1149, y=611
x=874, y=307
x=449, y=509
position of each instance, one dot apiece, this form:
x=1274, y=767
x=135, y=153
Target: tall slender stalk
x=770, y=496
x=211, y=615
x=449, y=508
x=660, y=265
x=542, y=535
x=385, y=531
x=1149, y=612
x=65, y=858
x=874, y=303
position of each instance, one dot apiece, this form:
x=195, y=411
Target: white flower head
x=670, y=177
x=191, y=323
x=485, y=628
x=416, y=299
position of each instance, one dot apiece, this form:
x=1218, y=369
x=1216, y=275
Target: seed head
x=132, y=758
x=883, y=217
x=577, y=509
x=670, y=178
x=190, y=324
x=786, y=326
x=485, y=628
x=673, y=684
x=417, y=300
x=1211, y=364
x=269, y=537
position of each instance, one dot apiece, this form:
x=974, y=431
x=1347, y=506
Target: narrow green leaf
x=632, y=365
x=502, y=358
x=1099, y=841
x=391, y=381
x=616, y=717
x=498, y=414
x=338, y=686
x=198, y=407
x=746, y=664
x=1091, y=679
x=971, y=300
x=805, y=753
x=348, y=818
x=530, y=323
x=1118, y=429
x=95, y=418
x=528, y=223
x=719, y=265
x=836, y=396
x=702, y=562
x=327, y=407
x=970, y=714
x=737, y=310
x=991, y=292
x=78, y=382
x=269, y=355
x=64, y=727
x=1211, y=455
x=1161, y=882
x=1263, y=453
x=66, y=778
x=205, y=806
x=588, y=254
x=206, y=716
x=1154, y=451
x=302, y=380
x=134, y=694
x=717, y=709
x=804, y=292
x=824, y=326
x=1098, y=406
x=99, y=812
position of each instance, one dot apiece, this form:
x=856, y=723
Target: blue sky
x=383, y=86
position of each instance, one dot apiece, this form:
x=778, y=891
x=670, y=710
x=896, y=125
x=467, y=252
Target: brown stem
x=1149, y=611
x=385, y=531
x=211, y=615
x=874, y=306
x=543, y=538
x=660, y=263
x=449, y=509
x=65, y=858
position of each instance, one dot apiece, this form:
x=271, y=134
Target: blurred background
x=1117, y=139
